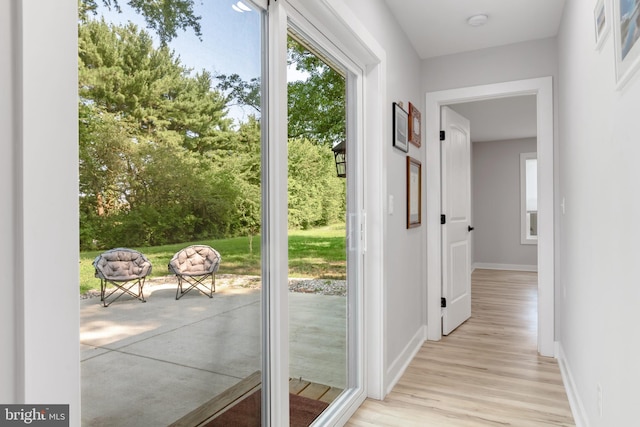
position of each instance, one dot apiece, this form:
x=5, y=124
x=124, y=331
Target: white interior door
x=456, y=230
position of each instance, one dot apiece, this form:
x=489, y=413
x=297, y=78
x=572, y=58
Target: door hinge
x=442, y=135
x=443, y=219
x=443, y=302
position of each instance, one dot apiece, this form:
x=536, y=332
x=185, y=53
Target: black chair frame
x=196, y=282
x=125, y=287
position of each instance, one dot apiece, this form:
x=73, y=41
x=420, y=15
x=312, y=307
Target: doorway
x=503, y=131
x=543, y=90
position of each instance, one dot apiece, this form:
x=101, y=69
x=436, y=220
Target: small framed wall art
x=414, y=192
x=400, y=128
x=601, y=22
x=415, y=126
x=626, y=32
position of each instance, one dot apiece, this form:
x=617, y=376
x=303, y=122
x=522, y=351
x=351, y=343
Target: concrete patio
x=148, y=364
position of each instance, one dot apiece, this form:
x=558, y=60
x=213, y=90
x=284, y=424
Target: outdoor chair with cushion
x=123, y=268
x=193, y=265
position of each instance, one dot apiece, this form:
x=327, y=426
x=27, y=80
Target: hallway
x=486, y=373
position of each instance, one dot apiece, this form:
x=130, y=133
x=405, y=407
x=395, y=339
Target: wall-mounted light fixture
x=340, y=154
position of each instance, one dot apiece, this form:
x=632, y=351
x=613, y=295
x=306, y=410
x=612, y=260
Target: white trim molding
x=577, y=408
x=509, y=267
x=401, y=363
x=276, y=299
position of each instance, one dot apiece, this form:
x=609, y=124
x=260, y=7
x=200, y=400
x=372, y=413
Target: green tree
x=240, y=92
x=164, y=17
x=316, y=105
x=121, y=72
x=316, y=194
x=245, y=162
x=152, y=140
x=316, y=112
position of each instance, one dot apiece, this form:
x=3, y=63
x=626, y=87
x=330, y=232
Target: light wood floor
x=486, y=373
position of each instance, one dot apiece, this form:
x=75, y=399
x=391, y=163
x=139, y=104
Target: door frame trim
x=275, y=262
x=543, y=89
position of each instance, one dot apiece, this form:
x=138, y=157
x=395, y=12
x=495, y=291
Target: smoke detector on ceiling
x=477, y=20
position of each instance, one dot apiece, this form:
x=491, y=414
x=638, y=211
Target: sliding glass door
x=242, y=134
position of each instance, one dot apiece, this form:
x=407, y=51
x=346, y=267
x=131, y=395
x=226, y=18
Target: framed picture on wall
x=626, y=32
x=414, y=192
x=601, y=22
x=400, y=128
x=415, y=126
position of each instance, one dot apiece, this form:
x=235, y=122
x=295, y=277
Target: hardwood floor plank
x=297, y=385
x=331, y=394
x=314, y=391
x=486, y=373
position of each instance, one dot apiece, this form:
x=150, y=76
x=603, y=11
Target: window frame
x=525, y=238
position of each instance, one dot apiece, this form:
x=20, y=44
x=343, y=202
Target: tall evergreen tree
x=151, y=142
x=316, y=105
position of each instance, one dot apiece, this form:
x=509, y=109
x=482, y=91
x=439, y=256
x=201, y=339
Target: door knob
x=470, y=228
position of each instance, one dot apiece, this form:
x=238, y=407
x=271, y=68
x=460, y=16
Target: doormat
x=246, y=413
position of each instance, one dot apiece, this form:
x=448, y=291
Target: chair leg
x=141, y=283
x=196, y=282
x=103, y=287
x=123, y=289
x=179, y=289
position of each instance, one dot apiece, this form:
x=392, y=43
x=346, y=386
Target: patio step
x=225, y=400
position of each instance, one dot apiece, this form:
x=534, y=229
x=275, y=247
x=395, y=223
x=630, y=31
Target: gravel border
x=307, y=286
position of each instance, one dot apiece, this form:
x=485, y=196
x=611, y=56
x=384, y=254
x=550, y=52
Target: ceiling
x=439, y=27
x=500, y=119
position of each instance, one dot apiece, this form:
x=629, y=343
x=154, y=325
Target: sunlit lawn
x=318, y=253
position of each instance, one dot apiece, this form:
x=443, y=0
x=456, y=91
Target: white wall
x=494, y=65
x=538, y=58
x=496, y=203
x=405, y=275
x=599, y=175
x=41, y=224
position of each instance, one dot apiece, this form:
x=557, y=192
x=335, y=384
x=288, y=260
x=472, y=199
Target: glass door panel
x=318, y=228
x=171, y=156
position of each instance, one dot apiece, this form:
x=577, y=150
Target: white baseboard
x=511, y=267
x=401, y=363
x=577, y=408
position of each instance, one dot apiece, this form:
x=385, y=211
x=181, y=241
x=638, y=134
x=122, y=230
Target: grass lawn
x=317, y=253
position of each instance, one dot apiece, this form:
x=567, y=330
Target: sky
x=231, y=41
